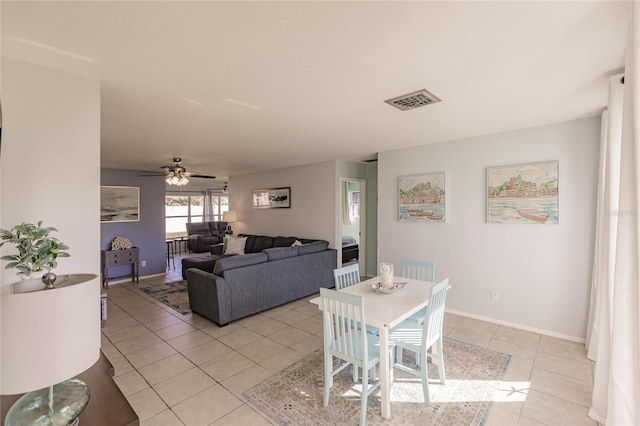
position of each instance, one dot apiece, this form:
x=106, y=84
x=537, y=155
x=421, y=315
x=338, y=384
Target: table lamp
x=48, y=337
x=229, y=217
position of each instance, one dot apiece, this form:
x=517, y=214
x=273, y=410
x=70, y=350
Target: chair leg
x=438, y=347
x=425, y=384
x=398, y=354
x=328, y=377
x=355, y=374
x=365, y=397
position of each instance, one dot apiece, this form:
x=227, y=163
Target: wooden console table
x=107, y=406
x=121, y=257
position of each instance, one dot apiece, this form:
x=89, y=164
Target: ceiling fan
x=177, y=175
x=222, y=190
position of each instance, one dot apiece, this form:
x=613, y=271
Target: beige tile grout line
x=178, y=315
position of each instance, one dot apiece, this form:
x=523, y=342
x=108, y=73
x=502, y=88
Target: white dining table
x=386, y=311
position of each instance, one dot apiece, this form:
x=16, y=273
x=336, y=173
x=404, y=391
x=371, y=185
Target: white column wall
x=51, y=160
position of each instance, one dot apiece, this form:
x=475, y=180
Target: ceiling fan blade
x=203, y=176
x=150, y=175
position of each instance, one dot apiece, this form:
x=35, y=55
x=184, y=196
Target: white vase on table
x=386, y=275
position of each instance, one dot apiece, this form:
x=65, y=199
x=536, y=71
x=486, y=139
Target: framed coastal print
x=272, y=198
x=523, y=193
x=422, y=198
x=119, y=204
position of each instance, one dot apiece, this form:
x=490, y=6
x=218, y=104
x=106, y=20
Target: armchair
x=201, y=236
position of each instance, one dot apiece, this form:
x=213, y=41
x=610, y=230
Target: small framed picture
x=261, y=199
x=272, y=198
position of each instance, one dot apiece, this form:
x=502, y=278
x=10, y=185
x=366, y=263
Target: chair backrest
x=424, y=270
x=347, y=276
x=345, y=335
x=435, y=314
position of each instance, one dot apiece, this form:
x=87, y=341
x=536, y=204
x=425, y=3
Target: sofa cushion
x=200, y=229
x=307, y=240
x=217, y=228
x=251, y=239
x=281, y=252
x=234, y=245
x=203, y=263
x=283, y=241
x=235, y=262
x=261, y=242
x=313, y=247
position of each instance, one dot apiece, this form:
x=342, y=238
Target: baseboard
x=518, y=326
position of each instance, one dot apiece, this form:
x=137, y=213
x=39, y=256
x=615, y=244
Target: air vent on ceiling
x=414, y=100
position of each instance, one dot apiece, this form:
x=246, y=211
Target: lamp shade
x=229, y=216
x=49, y=336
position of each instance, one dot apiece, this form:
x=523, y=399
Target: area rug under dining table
x=294, y=396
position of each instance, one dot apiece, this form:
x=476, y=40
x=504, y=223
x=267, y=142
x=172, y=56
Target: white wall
x=542, y=272
x=312, y=212
x=51, y=160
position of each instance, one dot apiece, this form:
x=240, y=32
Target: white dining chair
x=419, y=338
x=343, y=320
x=346, y=276
x=423, y=270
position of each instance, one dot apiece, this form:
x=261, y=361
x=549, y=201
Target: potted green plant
x=37, y=251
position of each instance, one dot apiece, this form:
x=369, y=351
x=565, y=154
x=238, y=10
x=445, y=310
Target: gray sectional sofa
x=243, y=285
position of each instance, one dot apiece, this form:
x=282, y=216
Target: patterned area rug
x=173, y=294
x=294, y=395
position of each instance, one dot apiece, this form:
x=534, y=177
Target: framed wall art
x=272, y=198
x=523, y=193
x=119, y=204
x=422, y=198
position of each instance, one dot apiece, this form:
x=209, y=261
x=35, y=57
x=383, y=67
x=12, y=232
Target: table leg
x=385, y=361
x=105, y=277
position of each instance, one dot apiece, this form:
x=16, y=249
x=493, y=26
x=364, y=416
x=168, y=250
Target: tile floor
x=184, y=370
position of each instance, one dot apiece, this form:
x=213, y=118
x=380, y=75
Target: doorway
x=353, y=223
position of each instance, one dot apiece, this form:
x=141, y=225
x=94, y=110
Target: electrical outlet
x=495, y=296
x=143, y=263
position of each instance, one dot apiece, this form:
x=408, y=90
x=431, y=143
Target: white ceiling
x=238, y=87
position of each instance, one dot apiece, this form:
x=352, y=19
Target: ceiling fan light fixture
x=176, y=177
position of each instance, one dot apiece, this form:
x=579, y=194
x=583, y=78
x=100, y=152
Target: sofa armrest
x=193, y=241
x=199, y=243
x=209, y=296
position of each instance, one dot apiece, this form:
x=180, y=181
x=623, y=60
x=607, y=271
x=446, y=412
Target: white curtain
x=208, y=208
x=614, y=328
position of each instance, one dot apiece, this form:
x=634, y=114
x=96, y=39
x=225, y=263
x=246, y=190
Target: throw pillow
x=233, y=245
x=296, y=243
